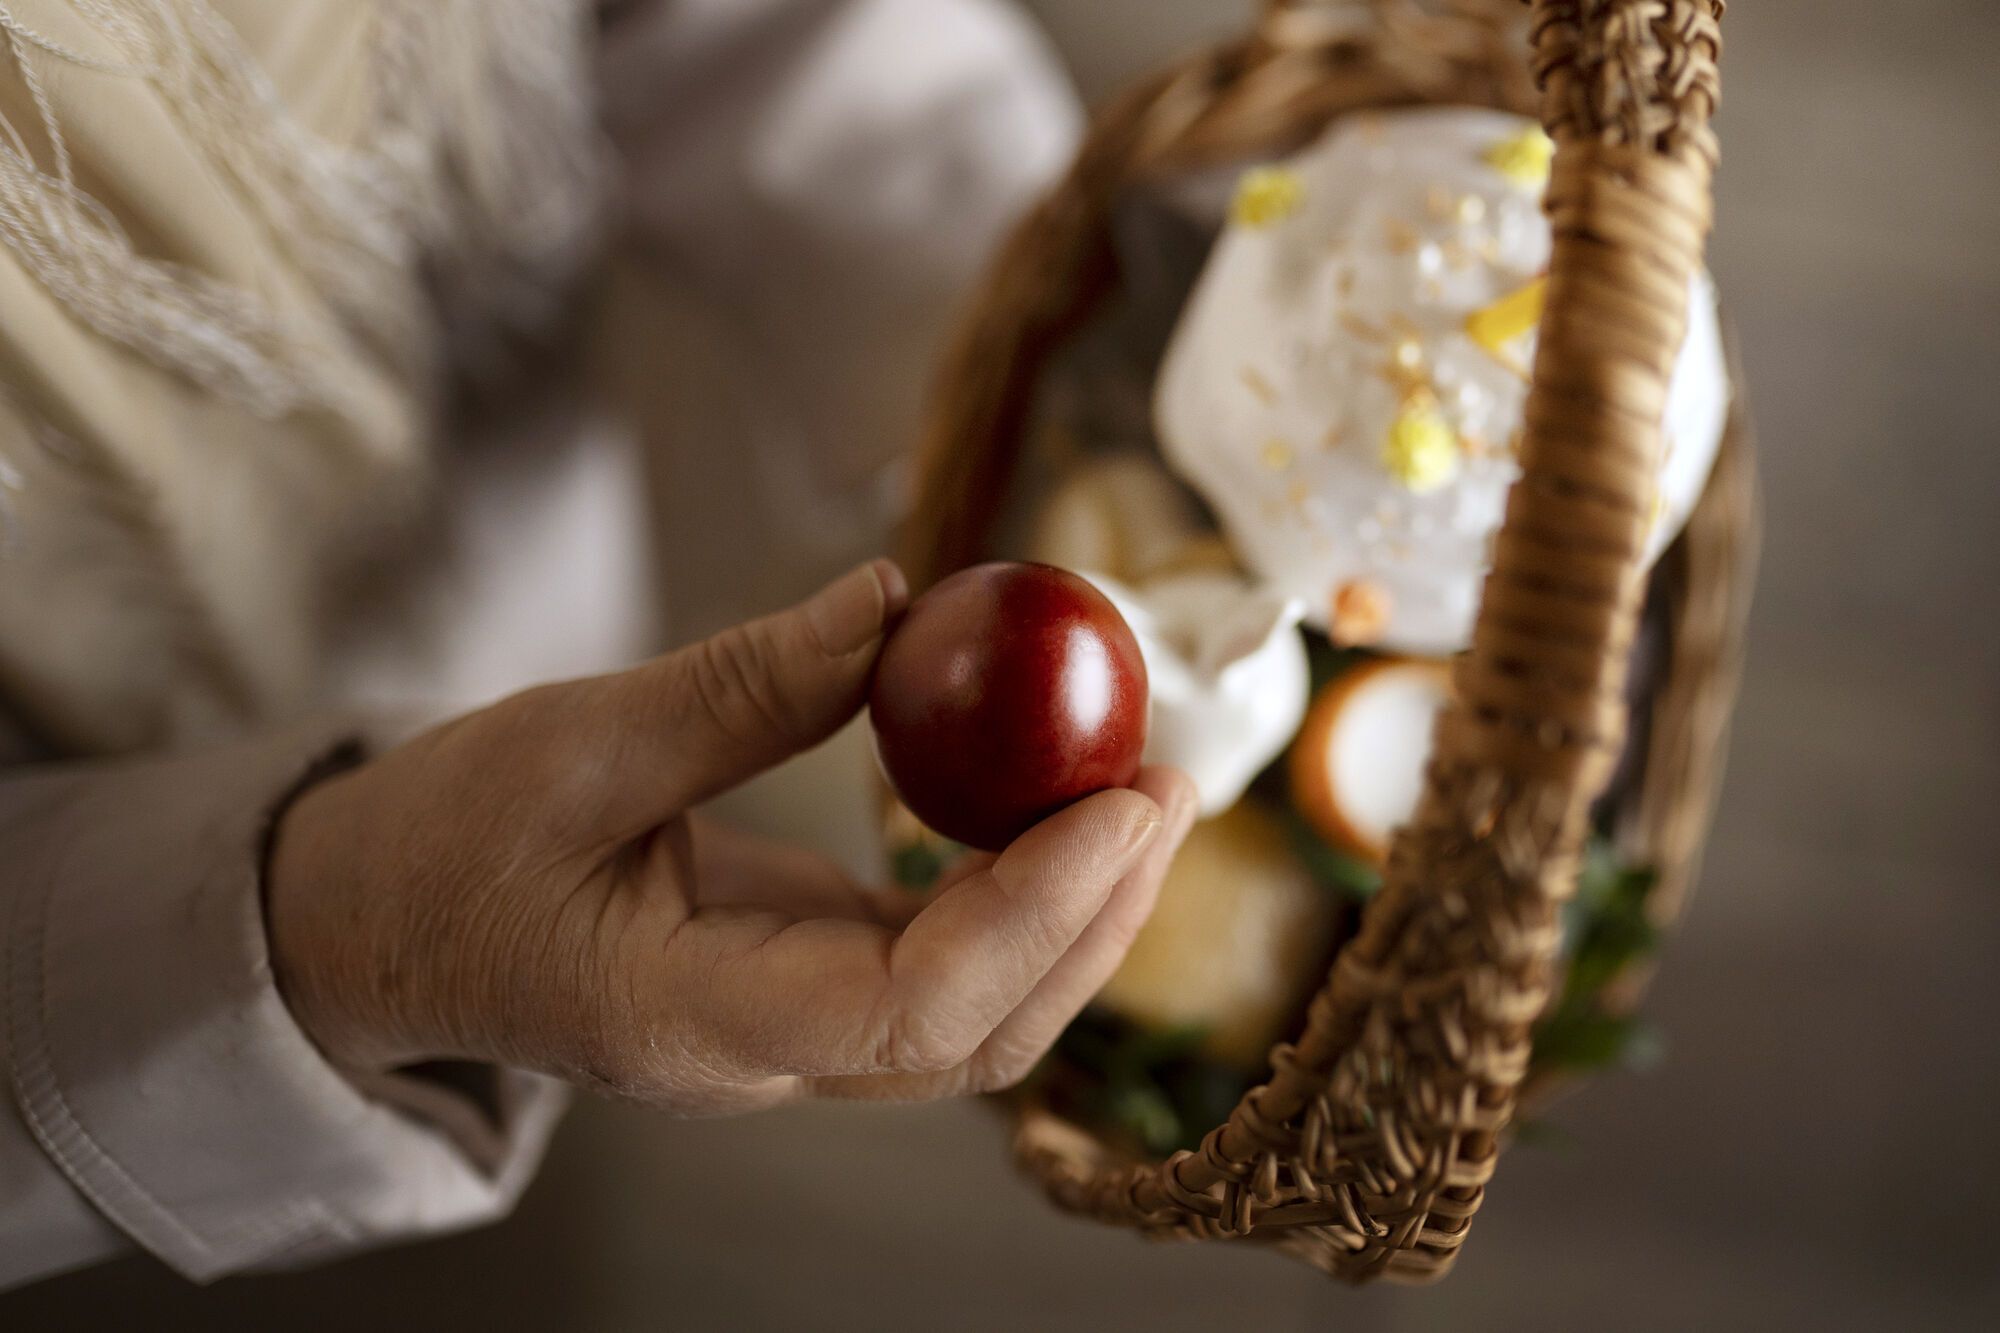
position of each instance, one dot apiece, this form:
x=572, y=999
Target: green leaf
x=1608, y=927
x=1599, y=875
x=1155, y=1086
x=917, y=865
x=1587, y=1038
x=1150, y=1050
x=1609, y=932
x=1143, y=1111
x=1089, y=1046
x=1203, y=1094
x=1533, y=1133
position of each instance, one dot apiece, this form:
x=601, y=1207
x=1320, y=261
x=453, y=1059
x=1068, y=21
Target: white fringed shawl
x=222, y=325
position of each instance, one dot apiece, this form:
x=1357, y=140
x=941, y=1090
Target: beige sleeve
x=215, y=362
x=161, y=1095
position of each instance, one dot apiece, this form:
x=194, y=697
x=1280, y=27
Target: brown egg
x=1007, y=692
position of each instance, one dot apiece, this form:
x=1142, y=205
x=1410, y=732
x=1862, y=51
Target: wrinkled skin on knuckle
x=733, y=685
x=916, y=1037
x=601, y=1051
x=554, y=995
x=616, y=967
x=605, y=1037
x=666, y=1043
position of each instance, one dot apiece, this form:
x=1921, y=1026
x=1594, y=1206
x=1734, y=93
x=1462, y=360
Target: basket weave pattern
x=1368, y=1149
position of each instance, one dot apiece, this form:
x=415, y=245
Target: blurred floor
x=1815, y=1153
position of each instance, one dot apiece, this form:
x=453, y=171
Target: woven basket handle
x=1375, y=1135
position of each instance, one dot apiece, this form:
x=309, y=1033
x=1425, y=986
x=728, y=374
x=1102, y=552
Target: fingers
x=982, y=946
x=1025, y=1035
x=831, y=997
x=1021, y=1040
x=705, y=718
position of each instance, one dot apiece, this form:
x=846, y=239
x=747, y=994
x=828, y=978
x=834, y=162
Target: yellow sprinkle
x=1409, y=353
x=1471, y=210
x=1422, y=450
x=1277, y=455
x=1525, y=158
x=1267, y=393
x=1267, y=195
x=1298, y=493
x=1513, y=315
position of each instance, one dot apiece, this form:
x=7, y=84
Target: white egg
x=1326, y=395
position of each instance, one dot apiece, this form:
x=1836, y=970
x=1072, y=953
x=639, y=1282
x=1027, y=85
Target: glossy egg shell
x=1007, y=692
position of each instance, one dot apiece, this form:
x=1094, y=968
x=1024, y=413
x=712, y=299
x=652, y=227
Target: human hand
x=524, y=885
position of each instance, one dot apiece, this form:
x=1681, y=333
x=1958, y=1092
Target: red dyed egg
x=1007, y=692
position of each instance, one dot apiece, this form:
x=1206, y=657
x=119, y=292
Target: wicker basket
x=1367, y=1149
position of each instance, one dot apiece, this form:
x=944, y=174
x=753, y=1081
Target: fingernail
x=1140, y=836
x=850, y=613
x=895, y=588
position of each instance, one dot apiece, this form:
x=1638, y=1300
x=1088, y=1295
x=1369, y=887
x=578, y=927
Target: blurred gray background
x=1817, y=1150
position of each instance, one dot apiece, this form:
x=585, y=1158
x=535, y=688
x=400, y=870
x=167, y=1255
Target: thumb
x=723, y=710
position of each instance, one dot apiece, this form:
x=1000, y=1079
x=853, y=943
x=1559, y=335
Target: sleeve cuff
x=159, y=1069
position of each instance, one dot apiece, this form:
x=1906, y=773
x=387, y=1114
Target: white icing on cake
x=1335, y=306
